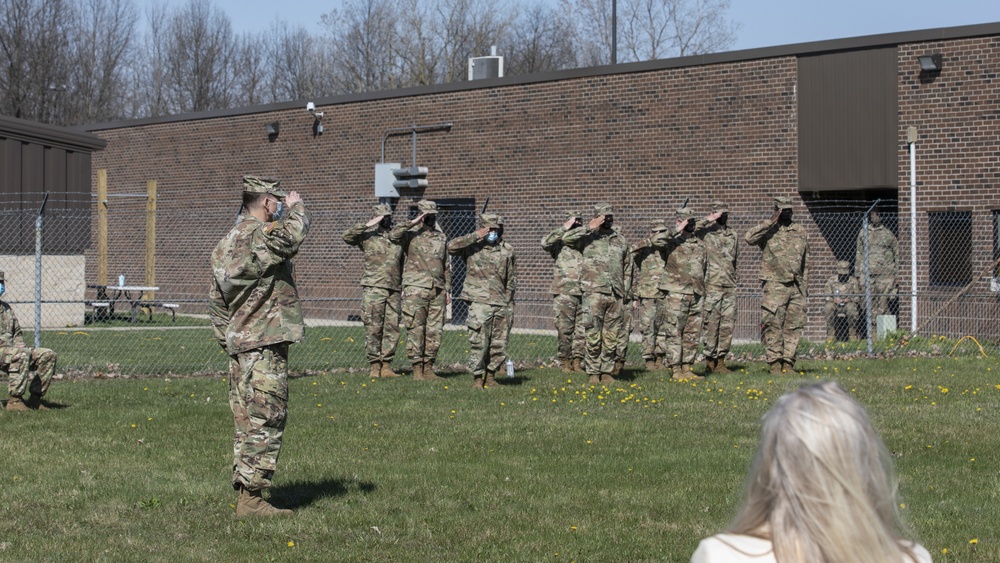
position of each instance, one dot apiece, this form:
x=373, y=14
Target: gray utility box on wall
x=384, y=179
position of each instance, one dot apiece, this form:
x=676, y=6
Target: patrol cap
x=685, y=213
x=427, y=206
x=844, y=268
x=258, y=185
x=382, y=210
x=603, y=208
x=490, y=220
x=658, y=227
x=719, y=207
x=572, y=214
x=782, y=202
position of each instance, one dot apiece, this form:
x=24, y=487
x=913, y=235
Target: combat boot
x=491, y=380
x=375, y=370
x=578, y=365
x=16, y=404
x=386, y=371
x=831, y=335
x=595, y=380
x=35, y=402
x=788, y=366
x=429, y=374
x=617, y=371
x=689, y=374
x=660, y=365
x=720, y=366
x=418, y=371
x=567, y=366
x=251, y=503
x=852, y=332
x=678, y=373
x=607, y=379
x=776, y=368
x=651, y=365
x=709, y=365
x=477, y=382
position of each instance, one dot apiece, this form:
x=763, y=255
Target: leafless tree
x=538, y=40
x=650, y=29
x=467, y=28
x=364, y=41
x=200, y=49
x=102, y=45
x=33, y=43
x=300, y=64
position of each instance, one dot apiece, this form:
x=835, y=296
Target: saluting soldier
x=426, y=287
x=683, y=282
x=490, y=285
x=606, y=280
x=650, y=264
x=567, y=295
x=784, y=274
x=722, y=248
x=29, y=370
x=841, y=295
x=380, y=286
x=255, y=312
x=883, y=255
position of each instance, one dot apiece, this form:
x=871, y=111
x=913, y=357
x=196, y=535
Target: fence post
x=150, y=237
x=38, y=271
x=102, y=227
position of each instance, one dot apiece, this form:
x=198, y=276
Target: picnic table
x=109, y=295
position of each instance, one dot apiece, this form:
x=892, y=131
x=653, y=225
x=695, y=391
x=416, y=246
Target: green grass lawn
x=542, y=468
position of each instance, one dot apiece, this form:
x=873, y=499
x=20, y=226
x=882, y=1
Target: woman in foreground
x=821, y=489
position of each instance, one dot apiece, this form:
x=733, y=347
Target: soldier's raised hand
x=774, y=218
x=374, y=221
x=418, y=219
x=293, y=198
x=482, y=232
x=596, y=222
x=569, y=223
x=679, y=224
x=714, y=216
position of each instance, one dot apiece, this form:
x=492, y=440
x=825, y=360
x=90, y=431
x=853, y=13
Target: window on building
x=950, y=240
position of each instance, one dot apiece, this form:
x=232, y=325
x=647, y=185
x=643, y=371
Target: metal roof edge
x=791, y=50
x=51, y=135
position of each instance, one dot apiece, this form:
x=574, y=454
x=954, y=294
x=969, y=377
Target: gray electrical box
x=384, y=179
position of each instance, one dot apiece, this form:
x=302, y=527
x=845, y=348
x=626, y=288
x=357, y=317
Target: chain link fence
x=103, y=311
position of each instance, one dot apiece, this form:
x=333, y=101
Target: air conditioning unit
x=485, y=67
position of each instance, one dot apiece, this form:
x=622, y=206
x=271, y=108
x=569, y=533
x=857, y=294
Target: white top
x=734, y=548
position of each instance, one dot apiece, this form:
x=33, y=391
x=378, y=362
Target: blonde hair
x=822, y=486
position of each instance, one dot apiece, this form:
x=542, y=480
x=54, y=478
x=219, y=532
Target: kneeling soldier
x=29, y=370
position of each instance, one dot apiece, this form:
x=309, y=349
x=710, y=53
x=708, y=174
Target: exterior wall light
x=930, y=63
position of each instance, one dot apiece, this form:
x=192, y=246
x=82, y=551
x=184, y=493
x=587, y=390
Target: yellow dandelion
x=291, y=544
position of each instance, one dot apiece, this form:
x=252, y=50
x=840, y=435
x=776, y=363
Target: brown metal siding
x=848, y=120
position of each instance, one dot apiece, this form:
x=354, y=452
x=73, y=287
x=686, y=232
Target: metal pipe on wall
x=911, y=137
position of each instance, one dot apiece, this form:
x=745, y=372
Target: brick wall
x=642, y=140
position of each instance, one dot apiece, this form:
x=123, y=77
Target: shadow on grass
x=300, y=494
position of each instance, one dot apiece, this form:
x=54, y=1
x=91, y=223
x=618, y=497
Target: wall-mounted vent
x=486, y=67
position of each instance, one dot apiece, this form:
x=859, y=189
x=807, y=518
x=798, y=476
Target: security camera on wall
x=311, y=107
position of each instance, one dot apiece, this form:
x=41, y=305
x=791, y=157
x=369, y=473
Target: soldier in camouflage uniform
x=841, y=294
x=256, y=314
x=490, y=284
x=606, y=279
x=650, y=264
x=29, y=370
x=380, y=286
x=883, y=256
x=567, y=296
x=721, y=244
x=784, y=275
x=426, y=287
x=683, y=282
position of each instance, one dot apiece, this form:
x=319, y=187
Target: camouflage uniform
x=380, y=286
x=650, y=264
x=606, y=279
x=567, y=300
x=29, y=370
x=683, y=282
x=845, y=291
x=255, y=313
x=426, y=282
x=490, y=284
x=784, y=275
x=721, y=245
x=883, y=255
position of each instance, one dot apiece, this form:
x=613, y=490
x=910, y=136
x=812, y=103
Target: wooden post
x=150, y=237
x=102, y=226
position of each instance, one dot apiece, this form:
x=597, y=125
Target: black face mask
x=609, y=222
x=723, y=219
x=785, y=217
x=386, y=222
x=430, y=221
x=689, y=226
x=843, y=277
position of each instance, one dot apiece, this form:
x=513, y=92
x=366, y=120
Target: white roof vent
x=486, y=67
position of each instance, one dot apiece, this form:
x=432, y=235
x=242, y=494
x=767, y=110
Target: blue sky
x=764, y=23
